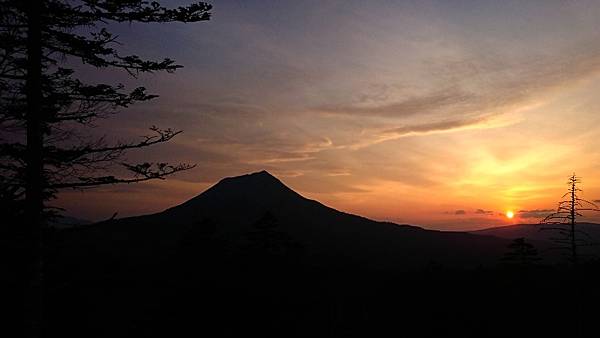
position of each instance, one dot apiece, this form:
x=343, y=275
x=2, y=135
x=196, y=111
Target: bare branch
x=142, y=172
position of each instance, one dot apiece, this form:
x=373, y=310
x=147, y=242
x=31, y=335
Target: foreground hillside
x=235, y=208
x=249, y=256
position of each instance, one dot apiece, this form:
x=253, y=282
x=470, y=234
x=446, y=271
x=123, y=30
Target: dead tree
x=564, y=221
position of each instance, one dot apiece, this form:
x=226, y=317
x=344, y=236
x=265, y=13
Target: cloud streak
x=536, y=213
x=411, y=106
x=484, y=212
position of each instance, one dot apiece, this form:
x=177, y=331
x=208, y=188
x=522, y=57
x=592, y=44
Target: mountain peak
x=263, y=173
x=262, y=176
x=254, y=186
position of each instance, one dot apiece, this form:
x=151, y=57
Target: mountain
x=230, y=210
x=251, y=257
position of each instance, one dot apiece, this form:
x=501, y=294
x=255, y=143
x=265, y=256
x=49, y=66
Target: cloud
x=432, y=127
x=536, y=213
x=436, y=127
x=493, y=97
x=415, y=105
x=476, y=212
x=341, y=172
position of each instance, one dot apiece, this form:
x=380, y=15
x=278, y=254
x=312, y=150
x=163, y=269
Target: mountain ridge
x=229, y=210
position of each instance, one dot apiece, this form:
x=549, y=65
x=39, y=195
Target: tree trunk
x=573, y=215
x=34, y=172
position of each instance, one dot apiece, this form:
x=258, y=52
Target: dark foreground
x=251, y=257
x=203, y=289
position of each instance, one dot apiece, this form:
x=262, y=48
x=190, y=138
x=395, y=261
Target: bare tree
x=564, y=220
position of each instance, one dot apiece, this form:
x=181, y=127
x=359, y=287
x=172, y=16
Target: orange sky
x=430, y=114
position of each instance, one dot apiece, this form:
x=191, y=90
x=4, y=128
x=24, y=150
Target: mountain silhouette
x=230, y=210
x=249, y=256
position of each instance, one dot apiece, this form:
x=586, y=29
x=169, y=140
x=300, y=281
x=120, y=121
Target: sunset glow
x=412, y=112
x=311, y=168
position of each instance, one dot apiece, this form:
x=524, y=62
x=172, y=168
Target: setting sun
x=510, y=214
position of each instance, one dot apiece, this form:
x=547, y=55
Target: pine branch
x=142, y=172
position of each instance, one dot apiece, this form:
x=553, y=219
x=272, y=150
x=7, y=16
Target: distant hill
x=231, y=209
x=535, y=232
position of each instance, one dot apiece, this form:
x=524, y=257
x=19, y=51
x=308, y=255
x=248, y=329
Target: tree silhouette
x=46, y=110
x=268, y=246
x=521, y=253
x=564, y=220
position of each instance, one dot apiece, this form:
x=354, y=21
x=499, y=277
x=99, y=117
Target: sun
x=510, y=214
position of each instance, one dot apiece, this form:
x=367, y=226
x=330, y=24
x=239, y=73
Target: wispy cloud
x=536, y=213
x=416, y=105
x=484, y=212
x=481, y=212
x=445, y=126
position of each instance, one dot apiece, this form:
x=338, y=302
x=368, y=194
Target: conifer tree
x=46, y=109
x=522, y=253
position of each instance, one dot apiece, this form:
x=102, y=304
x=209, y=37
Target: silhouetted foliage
x=46, y=110
x=170, y=275
x=269, y=246
x=521, y=253
x=564, y=221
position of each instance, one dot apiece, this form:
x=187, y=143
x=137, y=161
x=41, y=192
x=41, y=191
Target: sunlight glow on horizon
x=416, y=112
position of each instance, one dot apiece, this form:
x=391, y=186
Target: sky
x=444, y=114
